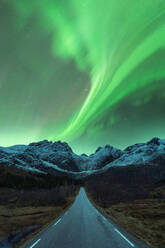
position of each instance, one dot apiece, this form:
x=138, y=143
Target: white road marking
x=124, y=238
x=35, y=243
x=57, y=222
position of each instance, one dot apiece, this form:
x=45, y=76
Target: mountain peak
x=56, y=146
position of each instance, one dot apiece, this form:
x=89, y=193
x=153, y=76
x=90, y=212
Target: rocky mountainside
x=57, y=158
x=152, y=152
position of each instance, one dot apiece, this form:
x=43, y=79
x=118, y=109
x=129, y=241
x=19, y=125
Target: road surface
x=82, y=226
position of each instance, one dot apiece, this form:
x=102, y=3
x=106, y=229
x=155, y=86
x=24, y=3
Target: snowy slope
x=152, y=152
x=58, y=158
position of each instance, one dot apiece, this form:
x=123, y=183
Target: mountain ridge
x=57, y=158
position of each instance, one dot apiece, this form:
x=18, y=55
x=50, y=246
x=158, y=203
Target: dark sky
x=82, y=71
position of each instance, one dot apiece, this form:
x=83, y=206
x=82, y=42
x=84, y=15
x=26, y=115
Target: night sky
x=88, y=72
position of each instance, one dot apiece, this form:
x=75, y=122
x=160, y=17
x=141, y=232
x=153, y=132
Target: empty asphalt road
x=82, y=226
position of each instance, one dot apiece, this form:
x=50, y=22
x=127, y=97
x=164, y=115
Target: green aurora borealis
x=87, y=72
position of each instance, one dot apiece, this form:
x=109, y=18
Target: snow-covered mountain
x=152, y=152
x=57, y=158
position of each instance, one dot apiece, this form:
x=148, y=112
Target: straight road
x=82, y=226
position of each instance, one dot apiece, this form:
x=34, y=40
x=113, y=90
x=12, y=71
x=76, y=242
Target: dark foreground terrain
x=134, y=198
x=31, y=201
